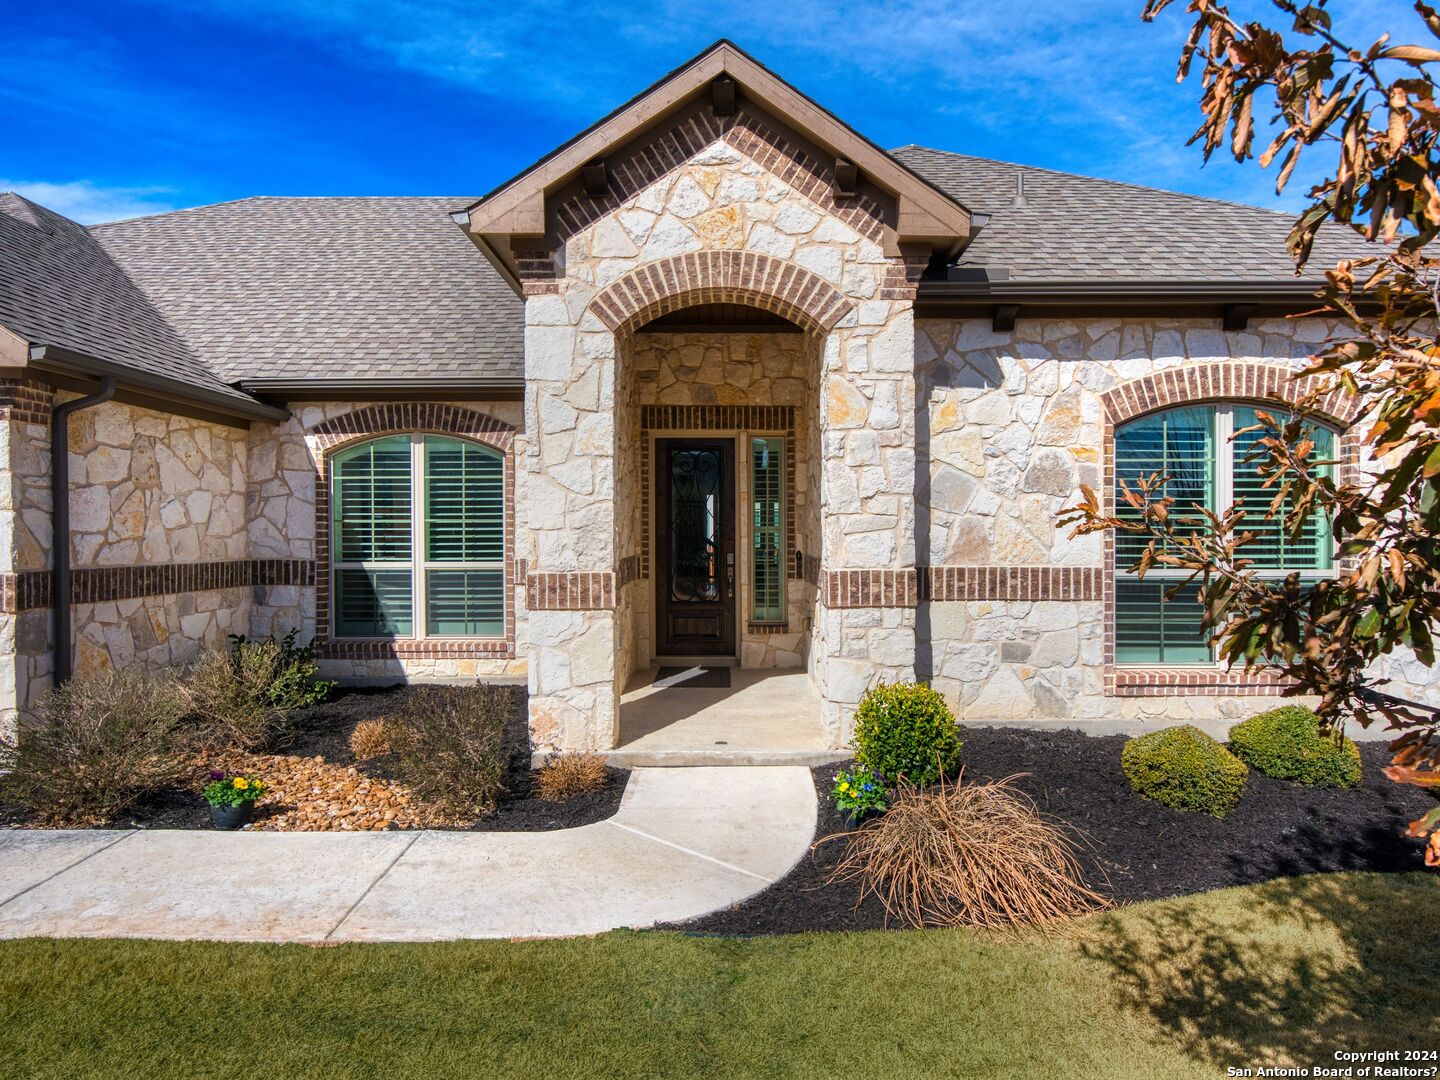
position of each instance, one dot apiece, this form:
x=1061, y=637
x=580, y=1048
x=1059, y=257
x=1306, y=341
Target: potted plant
x=232, y=799
x=860, y=795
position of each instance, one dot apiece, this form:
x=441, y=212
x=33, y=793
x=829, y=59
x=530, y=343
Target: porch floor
x=764, y=717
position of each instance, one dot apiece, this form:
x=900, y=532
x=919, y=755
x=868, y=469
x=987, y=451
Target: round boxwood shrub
x=1184, y=769
x=906, y=731
x=1287, y=743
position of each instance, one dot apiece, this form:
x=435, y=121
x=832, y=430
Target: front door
x=695, y=542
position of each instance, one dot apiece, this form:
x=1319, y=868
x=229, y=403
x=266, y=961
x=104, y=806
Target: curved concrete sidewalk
x=684, y=842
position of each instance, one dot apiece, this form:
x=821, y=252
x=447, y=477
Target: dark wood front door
x=695, y=542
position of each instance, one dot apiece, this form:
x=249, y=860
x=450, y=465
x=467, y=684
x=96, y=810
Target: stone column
x=869, y=588
x=566, y=532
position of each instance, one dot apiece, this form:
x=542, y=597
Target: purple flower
x=216, y=774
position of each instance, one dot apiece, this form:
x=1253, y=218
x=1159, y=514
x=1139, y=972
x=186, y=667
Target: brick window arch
x=336, y=436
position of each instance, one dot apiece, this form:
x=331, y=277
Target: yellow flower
x=241, y=783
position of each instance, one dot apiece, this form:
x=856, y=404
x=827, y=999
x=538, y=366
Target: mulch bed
x=1139, y=849
x=324, y=731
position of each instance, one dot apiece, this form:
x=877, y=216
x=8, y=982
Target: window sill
x=419, y=648
x=1189, y=680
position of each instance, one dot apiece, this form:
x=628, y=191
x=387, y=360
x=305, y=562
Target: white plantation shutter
x=767, y=564
x=1273, y=548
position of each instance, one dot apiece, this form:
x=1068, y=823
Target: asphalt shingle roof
x=329, y=288
x=1077, y=228
x=60, y=287
x=370, y=288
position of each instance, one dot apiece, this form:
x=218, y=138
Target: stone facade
x=149, y=490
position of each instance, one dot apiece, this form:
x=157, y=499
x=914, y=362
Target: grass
x=1280, y=973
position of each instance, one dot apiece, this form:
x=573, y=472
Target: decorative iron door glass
x=696, y=543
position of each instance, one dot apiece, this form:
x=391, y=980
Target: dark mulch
x=1139, y=850
x=324, y=730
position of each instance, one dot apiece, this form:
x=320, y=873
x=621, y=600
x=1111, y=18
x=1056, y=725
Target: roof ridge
x=1097, y=180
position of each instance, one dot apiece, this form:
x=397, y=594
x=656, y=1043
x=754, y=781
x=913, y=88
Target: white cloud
x=90, y=203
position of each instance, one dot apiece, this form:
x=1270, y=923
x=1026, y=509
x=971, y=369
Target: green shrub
x=906, y=731
x=1184, y=769
x=101, y=743
x=448, y=745
x=296, y=683
x=241, y=700
x=1287, y=743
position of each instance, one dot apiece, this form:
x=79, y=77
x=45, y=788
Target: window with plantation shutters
x=767, y=563
x=418, y=539
x=1205, y=464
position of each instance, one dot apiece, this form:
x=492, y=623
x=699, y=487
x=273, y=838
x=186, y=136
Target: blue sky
x=121, y=108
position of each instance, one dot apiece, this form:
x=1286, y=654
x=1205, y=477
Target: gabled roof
x=292, y=289
x=1079, y=229
x=78, y=311
x=926, y=213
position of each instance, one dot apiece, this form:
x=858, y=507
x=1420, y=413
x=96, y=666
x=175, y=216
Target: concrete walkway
x=684, y=842
x=764, y=717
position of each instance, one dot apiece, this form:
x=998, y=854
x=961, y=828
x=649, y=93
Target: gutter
x=60, y=521
x=977, y=284
x=58, y=359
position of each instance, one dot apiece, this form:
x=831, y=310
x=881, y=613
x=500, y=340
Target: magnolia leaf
x=1417, y=54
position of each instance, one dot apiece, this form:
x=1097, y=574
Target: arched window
x=418, y=539
x=1194, y=448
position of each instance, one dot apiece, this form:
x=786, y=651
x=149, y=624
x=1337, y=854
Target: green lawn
x=1287, y=971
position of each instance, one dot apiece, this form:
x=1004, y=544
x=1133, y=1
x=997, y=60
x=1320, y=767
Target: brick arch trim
x=1223, y=380
x=374, y=421
x=720, y=277
x=411, y=416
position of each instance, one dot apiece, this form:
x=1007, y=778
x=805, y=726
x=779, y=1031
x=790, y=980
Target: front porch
x=762, y=717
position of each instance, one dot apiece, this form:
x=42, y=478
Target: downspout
x=60, y=521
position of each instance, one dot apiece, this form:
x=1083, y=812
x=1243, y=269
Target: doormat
x=699, y=677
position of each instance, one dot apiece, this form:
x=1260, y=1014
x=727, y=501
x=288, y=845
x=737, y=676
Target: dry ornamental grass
x=967, y=855
x=368, y=740
x=567, y=775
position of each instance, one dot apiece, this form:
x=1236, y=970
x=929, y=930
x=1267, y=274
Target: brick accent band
x=572, y=591
x=870, y=588
x=720, y=277
x=1011, y=583
x=30, y=590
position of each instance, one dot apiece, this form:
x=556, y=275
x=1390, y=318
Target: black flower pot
x=232, y=817
x=857, y=817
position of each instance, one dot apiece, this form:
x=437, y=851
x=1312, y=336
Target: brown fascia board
x=396, y=389
x=517, y=207
x=1044, y=299
x=154, y=391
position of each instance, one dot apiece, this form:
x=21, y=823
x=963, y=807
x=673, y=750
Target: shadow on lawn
x=1287, y=973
